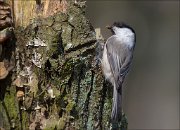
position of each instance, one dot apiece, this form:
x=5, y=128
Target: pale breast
x=106, y=67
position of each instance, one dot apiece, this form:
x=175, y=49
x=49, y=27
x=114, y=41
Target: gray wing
x=119, y=57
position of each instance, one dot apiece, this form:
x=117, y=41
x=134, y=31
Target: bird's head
x=122, y=29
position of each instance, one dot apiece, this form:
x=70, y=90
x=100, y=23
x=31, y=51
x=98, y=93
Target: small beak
x=108, y=27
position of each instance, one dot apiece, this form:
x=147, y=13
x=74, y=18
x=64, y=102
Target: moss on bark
x=63, y=88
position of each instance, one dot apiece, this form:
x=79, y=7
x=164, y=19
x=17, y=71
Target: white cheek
x=125, y=35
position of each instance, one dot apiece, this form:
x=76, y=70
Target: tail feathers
x=116, y=109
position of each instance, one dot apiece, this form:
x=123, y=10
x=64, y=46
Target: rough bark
x=56, y=83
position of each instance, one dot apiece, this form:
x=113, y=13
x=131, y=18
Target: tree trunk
x=56, y=82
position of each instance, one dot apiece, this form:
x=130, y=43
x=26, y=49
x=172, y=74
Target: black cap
x=123, y=25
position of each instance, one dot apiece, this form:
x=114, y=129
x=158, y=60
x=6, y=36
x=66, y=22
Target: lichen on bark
x=62, y=85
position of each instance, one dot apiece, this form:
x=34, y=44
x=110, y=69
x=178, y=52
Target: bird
x=116, y=60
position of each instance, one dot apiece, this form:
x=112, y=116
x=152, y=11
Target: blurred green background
x=151, y=90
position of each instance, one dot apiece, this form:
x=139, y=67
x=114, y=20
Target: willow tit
x=116, y=60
